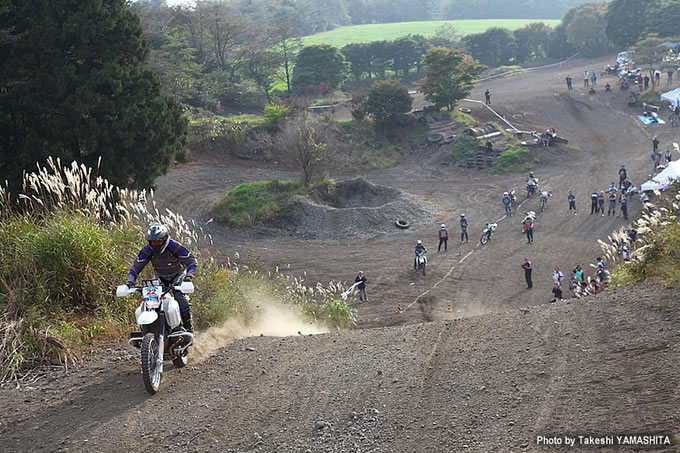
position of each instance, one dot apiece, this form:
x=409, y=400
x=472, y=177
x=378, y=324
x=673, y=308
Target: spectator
x=674, y=119
x=622, y=175
x=557, y=292
x=361, y=279
x=507, y=204
x=670, y=77
x=593, y=79
x=572, y=202
x=624, y=206
x=600, y=263
x=625, y=251
x=657, y=76
x=655, y=143
x=529, y=229
x=656, y=158
x=443, y=235
x=612, y=188
x=463, y=228
x=669, y=156
x=487, y=96
x=639, y=82
x=600, y=203
x=646, y=79
x=578, y=273
x=586, y=77
x=595, y=287
x=527, y=272
x=558, y=277
x=612, y=203
x=593, y=203
x=569, y=86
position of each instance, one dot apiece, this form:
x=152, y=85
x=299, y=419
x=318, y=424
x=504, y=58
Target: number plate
x=152, y=296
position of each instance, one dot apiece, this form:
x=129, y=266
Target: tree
x=586, y=32
x=262, y=62
x=319, y=63
x=494, y=47
x=74, y=86
x=666, y=18
x=625, y=21
x=359, y=58
x=310, y=155
x=449, y=76
x=446, y=35
x=648, y=53
x=288, y=44
x=387, y=99
x=406, y=53
x=532, y=41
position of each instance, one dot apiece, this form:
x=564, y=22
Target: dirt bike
x=421, y=262
x=532, y=188
x=528, y=215
x=543, y=200
x=160, y=336
x=488, y=231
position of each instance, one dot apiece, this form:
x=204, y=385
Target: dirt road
x=607, y=365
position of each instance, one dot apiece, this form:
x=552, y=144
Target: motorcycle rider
x=532, y=184
x=543, y=198
x=169, y=259
x=507, y=203
x=420, y=248
x=463, y=228
x=443, y=238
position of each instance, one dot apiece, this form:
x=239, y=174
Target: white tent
x=672, y=96
x=663, y=179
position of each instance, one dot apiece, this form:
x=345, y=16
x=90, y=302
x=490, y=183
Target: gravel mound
x=357, y=208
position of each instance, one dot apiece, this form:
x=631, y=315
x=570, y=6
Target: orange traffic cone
x=398, y=308
x=449, y=307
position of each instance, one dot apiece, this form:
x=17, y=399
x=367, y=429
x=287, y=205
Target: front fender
x=147, y=317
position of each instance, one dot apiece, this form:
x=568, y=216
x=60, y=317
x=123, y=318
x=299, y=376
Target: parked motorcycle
x=488, y=231
x=421, y=262
x=160, y=336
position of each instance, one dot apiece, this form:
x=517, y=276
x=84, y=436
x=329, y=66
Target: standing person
x=487, y=97
x=361, y=279
x=612, y=188
x=600, y=203
x=612, y=203
x=578, y=273
x=170, y=260
x=443, y=238
x=507, y=203
x=527, y=272
x=656, y=158
x=586, y=77
x=463, y=228
x=655, y=143
x=558, y=277
x=593, y=79
x=622, y=175
x=646, y=79
x=624, y=206
x=593, y=203
x=572, y=202
x=529, y=229
x=674, y=119
x=639, y=82
x=557, y=292
x=569, y=86
x=669, y=156
x=657, y=76
x=669, y=81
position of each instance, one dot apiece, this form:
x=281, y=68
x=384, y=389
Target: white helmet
x=462, y=216
x=419, y=242
x=505, y=193
x=443, y=225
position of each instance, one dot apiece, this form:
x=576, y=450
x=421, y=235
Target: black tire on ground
x=403, y=224
x=152, y=380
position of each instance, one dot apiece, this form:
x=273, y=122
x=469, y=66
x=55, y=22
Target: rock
x=250, y=349
x=320, y=424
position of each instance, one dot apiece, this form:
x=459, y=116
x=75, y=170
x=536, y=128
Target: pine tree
x=74, y=86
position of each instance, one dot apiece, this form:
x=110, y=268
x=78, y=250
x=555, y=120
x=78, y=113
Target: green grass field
x=377, y=32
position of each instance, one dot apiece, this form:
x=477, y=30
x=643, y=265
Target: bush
x=387, y=99
x=464, y=147
x=254, y=202
x=514, y=159
x=275, y=116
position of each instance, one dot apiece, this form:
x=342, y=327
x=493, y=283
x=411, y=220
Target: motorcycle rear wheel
x=484, y=239
x=150, y=374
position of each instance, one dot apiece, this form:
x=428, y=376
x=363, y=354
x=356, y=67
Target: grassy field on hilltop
x=377, y=32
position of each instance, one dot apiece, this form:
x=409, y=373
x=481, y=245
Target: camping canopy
x=672, y=96
x=663, y=179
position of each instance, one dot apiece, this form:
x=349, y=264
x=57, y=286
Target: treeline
x=315, y=16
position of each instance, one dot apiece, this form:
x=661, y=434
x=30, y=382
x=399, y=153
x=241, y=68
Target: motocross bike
x=421, y=262
x=531, y=188
x=528, y=215
x=160, y=336
x=488, y=231
x=543, y=200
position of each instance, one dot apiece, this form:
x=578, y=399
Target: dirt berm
x=607, y=365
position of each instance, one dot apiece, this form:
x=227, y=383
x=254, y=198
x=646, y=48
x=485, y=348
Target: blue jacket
x=167, y=265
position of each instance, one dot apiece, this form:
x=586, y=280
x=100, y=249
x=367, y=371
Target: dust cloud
x=271, y=319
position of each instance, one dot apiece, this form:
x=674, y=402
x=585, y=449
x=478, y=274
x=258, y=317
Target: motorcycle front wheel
x=150, y=372
x=484, y=239
x=424, y=266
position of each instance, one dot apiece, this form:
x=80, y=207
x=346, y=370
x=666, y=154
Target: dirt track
x=603, y=366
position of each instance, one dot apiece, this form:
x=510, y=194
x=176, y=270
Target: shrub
x=254, y=202
x=464, y=147
x=275, y=116
x=513, y=159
